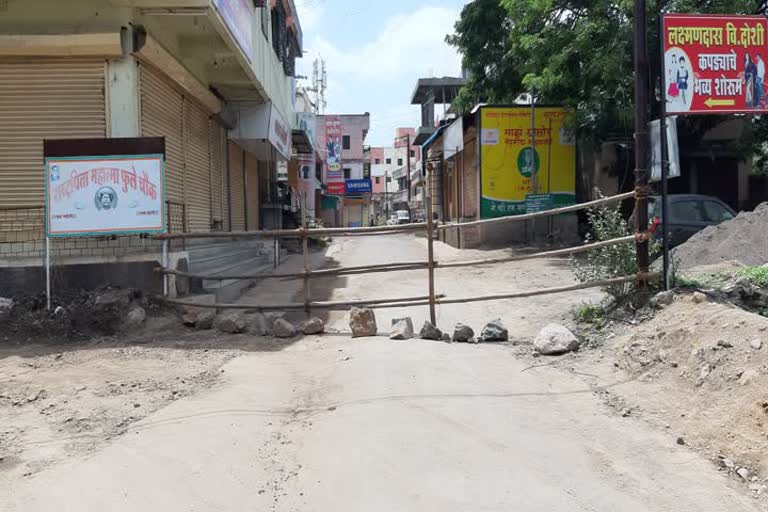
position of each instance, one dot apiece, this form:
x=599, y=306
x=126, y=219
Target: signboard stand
x=664, y=159
x=103, y=187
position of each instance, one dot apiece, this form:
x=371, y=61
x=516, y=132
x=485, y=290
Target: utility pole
x=386, y=193
x=408, y=168
x=641, y=136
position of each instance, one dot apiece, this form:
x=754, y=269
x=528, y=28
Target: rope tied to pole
x=642, y=192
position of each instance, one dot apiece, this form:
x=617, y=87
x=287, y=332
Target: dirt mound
x=743, y=238
x=704, y=372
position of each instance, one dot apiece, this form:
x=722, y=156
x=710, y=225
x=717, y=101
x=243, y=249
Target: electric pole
x=641, y=136
x=408, y=168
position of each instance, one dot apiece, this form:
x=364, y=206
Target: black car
x=688, y=214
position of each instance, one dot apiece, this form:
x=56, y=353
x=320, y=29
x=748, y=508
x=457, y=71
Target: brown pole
x=641, y=138
x=305, y=247
x=431, y=261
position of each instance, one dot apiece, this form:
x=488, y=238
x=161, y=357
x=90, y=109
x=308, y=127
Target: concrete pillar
x=123, y=97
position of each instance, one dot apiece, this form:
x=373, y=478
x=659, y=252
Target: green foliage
x=758, y=276
x=576, y=54
x=590, y=314
x=617, y=260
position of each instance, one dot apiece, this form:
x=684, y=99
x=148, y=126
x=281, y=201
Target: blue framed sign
x=353, y=187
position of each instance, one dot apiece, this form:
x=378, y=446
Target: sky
x=375, y=50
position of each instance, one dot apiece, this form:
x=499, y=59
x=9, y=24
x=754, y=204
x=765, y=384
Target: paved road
x=334, y=424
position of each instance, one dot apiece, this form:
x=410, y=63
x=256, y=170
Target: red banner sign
x=715, y=64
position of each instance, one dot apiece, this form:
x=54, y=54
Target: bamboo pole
x=431, y=260
x=546, y=291
x=546, y=213
x=305, y=248
x=364, y=269
x=405, y=301
x=546, y=254
x=296, y=233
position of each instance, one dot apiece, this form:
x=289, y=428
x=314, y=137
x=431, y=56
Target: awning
x=301, y=142
x=432, y=139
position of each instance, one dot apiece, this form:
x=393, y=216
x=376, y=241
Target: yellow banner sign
x=511, y=154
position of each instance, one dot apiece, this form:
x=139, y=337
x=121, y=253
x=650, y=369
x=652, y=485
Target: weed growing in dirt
x=590, y=314
x=758, y=276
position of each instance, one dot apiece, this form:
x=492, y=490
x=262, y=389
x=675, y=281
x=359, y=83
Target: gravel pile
x=743, y=238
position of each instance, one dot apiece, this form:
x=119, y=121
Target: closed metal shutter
x=198, y=166
x=236, y=188
x=44, y=99
x=218, y=174
x=162, y=109
x=252, y=196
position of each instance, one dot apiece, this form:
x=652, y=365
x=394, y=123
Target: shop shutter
x=218, y=174
x=44, y=99
x=252, y=196
x=469, y=180
x=236, y=188
x=161, y=116
x=197, y=142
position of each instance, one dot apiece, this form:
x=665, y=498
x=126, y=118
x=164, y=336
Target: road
x=338, y=424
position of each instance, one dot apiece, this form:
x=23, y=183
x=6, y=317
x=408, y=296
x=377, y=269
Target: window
x=377, y=161
x=399, y=162
x=715, y=212
x=347, y=173
x=389, y=161
x=345, y=142
x=378, y=180
x=413, y=153
x=685, y=211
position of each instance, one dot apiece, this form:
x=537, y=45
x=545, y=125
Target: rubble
x=494, y=331
x=756, y=344
x=135, y=318
x=462, y=333
x=204, y=320
x=282, y=328
x=314, y=325
x=447, y=338
x=6, y=305
x=748, y=377
x=362, y=321
x=554, y=339
x=743, y=238
x=230, y=323
x=699, y=297
x=257, y=324
x=430, y=332
x=662, y=299
x=402, y=329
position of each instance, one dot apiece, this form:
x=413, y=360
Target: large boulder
x=463, y=333
x=554, y=339
x=282, y=328
x=494, y=331
x=313, y=326
x=230, y=323
x=430, y=332
x=257, y=324
x=204, y=320
x=362, y=321
x=402, y=329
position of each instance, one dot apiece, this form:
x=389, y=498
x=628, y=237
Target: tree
x=576, y=53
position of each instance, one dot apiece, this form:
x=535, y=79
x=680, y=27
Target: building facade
x=212, y=77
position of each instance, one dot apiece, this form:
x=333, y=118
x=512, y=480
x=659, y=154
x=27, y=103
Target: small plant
x=590, y=314
x=758, y=276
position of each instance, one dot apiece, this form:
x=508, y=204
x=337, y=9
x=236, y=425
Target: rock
x=273, y=316
x=724, y=344
x=204, y=320
x=494, y=331
x=727, y=463
x=699, y=297
x=430, y=332
x=758, y=488
x=257, y=324
x=6, y=305
x=756, y=344
x=189, y=319
x=282, y=328
x=447, y=338
x=230, y=323
x=314, y=325
x=662, y=299
x=743, y=473
x=112, y=299
x=58, y=311
x=41, y=395
x=748, y=377
x=135, y=318
x=554, y=339
x=402, y=329
x=462, y=333
x=363, y=322
x=681, y=441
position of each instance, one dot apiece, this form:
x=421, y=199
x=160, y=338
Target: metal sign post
x=664, y=162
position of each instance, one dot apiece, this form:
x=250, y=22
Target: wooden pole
x=431, y=261
x=305, y=248
x=298, y=306
x=295, y=233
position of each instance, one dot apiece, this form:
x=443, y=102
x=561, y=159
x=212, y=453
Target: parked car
x=403, y=217
x=688, y=214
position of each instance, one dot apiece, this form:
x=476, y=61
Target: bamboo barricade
x=432, y=299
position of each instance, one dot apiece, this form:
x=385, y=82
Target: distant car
x=403, y=217
x=688, y=214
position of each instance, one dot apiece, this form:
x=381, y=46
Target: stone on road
x=430, y=332
x=554, y=339
x=462, y=333
x=314, y=325
x=362, y=321
x=402, y=329
x=494, y=331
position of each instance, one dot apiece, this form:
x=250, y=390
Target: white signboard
x=489, y=137
x=104, y=195
x=279, y=133
x=672, y=149
x=453, y=139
